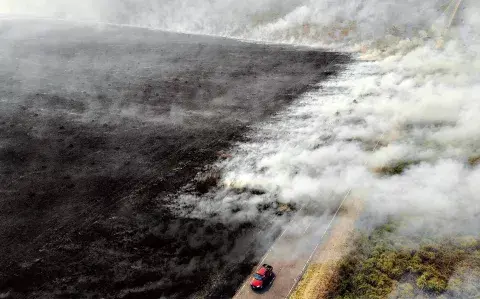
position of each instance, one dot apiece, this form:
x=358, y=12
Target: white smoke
x=419, y=102
x=297, y=21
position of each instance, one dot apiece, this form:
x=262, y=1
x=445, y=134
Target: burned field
x=99, y=127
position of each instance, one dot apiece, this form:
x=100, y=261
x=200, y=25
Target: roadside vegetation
x=474, y=160
x=383, y=265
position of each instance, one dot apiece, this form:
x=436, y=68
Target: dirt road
x=292, y=250
x=322, y=270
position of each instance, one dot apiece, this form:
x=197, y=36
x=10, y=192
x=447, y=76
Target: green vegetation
x=396, y=168
x=474, y=161
x=383, y=265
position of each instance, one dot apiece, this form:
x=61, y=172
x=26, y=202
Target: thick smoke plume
x=400, y=128
x=419, y=101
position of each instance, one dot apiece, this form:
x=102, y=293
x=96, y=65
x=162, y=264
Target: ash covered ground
x=99, y=126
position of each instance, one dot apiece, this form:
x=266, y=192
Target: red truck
x=262, y=278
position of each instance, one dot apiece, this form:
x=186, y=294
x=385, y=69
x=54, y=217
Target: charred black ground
x=98, y=126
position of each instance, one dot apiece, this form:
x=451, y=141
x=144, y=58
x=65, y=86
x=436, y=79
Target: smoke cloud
x=400, y=126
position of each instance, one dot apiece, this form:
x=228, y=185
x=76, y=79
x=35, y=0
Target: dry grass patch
x=317, y=281
x=395, y=169
x=474, y=161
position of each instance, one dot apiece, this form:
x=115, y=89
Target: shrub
x=375, y=268
x=431, y=282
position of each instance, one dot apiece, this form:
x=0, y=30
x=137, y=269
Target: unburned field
x=385, y=265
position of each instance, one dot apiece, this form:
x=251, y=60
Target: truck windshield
x=258, y=276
